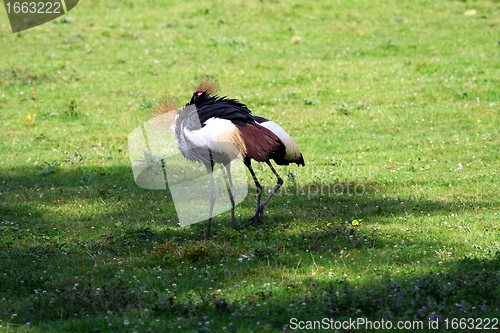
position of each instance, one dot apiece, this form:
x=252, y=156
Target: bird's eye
x=196, y=94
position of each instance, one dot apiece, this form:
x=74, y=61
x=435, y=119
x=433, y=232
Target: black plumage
x=220, y=107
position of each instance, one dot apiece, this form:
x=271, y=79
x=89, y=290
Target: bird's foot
x=208, y=235
x=258, y=215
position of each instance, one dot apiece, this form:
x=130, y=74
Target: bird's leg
x=208, y=233
x=248, y=163
x=231, y=191
x=260, y=209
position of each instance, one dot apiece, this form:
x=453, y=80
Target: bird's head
x=206, y=87
x=196, y=95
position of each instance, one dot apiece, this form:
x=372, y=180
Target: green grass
x=396, y=215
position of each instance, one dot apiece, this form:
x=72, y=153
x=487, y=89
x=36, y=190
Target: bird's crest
x=206, y=84
x=164, y=105
x=164, y=112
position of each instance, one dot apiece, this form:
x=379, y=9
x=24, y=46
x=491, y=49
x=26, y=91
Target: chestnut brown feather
x=261, y=144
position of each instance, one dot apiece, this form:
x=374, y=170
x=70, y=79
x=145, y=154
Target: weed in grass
x=50, y=168
x=76, y=158
x=29, y=120
x=19, y=76
x=72, y=109
x=347, y=109
x=146, y=102
x=312, y=101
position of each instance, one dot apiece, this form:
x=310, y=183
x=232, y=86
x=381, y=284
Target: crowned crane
x=212, y=129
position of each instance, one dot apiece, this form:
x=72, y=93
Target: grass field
x=394, y=104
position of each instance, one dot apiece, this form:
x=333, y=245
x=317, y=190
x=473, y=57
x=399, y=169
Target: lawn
x=394, y=219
